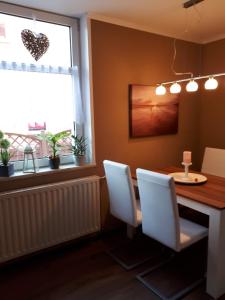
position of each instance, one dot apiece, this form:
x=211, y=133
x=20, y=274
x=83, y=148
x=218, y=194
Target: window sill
x=47, y=171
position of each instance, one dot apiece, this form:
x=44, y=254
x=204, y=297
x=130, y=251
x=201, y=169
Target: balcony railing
x=18, y=142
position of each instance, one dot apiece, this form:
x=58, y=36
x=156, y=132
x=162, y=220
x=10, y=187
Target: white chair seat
x=190, y=233
x=139, y=214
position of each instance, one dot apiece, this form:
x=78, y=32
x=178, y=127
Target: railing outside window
x=41, y=148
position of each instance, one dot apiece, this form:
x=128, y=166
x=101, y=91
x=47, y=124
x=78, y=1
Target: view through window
x=35, y=96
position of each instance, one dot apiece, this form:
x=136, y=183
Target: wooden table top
x=211, y=193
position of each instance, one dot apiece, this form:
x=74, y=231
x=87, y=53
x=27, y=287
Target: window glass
x=32, y=97
x=35, y=101
x=12, y=48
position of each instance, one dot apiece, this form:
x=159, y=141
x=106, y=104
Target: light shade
x=192, y=86
x=175, y=88
x=160, y=90
x=211, y=84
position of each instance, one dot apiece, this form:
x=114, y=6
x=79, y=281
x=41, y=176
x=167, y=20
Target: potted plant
x=79, y=148
x=6, y=168
x=53, y=142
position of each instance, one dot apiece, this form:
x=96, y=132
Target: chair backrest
x=214, y=161
x=160, y=217
x=121, y=192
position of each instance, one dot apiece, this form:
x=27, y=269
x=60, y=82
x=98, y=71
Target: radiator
x=39, y=217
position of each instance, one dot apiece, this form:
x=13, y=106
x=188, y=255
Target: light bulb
x=211, y=84
x=192, y=86
x=160, y=90
x=175, y=88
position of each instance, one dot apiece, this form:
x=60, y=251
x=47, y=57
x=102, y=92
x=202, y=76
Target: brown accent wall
x=122, y=56
x=212, y=121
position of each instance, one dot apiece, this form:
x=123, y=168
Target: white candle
x=187, y=157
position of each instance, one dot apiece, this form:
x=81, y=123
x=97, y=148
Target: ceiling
x=202, y=23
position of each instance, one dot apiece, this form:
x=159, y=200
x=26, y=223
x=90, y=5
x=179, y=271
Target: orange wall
x=122, y=56
x=212, y=121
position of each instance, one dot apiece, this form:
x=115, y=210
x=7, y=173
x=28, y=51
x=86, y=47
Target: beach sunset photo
x=151, y=114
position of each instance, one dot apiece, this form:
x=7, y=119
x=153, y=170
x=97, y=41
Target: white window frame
x=80, y=41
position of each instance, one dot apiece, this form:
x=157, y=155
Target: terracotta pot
x=54, y=162
x=79, y=160
x=6, y=171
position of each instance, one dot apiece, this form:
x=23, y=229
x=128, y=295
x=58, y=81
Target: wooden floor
x=79, y=271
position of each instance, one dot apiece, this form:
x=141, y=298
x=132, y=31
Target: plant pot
x=6, y=171
x=79, y=160
x=54, y=162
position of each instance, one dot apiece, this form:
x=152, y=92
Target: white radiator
x=39, y=217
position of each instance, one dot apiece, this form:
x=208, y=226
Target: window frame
x=78, y=40
x=29, y=13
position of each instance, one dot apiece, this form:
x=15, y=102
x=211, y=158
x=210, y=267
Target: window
x=41, y=95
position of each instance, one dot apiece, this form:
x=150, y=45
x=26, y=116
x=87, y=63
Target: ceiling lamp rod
x=192, y=86
x=191, y=3
x=194, y=78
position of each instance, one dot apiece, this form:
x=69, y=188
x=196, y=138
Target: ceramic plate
x=192, y=178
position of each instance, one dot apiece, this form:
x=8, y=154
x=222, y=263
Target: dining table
x=208, y=198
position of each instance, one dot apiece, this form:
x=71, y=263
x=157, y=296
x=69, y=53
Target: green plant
x=79, y=145
x=53, y=140
x=5, y=154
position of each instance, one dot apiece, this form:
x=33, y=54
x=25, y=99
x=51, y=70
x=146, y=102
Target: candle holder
x=186, y=168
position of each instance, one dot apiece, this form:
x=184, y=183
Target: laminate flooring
x=80, y=271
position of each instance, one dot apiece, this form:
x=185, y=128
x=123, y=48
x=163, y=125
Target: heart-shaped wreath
x=36, y=44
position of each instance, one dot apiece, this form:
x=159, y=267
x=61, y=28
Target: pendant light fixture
x=211, y=84
x=175, y=88
x=160, y=90
x=192, y=85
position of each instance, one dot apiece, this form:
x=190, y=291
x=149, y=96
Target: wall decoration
x=36, y=44
x=151, y=115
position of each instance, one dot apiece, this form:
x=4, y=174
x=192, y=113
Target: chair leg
x=134, y=252
x=155, y=267
x=179, y=294
x=187, y=290
x=131, y=231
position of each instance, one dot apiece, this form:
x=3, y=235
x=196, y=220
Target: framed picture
x=150, y=114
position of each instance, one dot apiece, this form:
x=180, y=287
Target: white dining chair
x=214, y=161
x=123, y=203
x=160, y=216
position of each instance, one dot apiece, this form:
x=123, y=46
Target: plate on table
x=192, y=178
